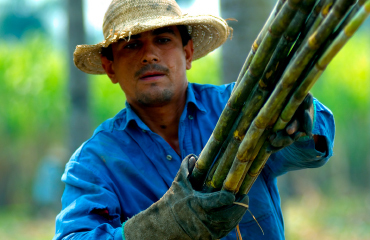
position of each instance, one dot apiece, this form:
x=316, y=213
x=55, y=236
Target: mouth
x=151, y=75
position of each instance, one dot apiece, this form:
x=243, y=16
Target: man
x=122, y=182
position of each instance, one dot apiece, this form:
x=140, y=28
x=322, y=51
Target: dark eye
x=132, y=45
x=164, y=40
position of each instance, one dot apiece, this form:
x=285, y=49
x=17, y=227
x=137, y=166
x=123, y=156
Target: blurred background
x=48, y=108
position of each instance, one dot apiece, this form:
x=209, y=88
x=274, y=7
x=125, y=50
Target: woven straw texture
x=130, y=17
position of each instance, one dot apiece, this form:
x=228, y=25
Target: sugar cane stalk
x=277, y=98
x=320, y=66
x=258, y=40
x=242, y=92
x=303, y=89
x=259, y=95
x=313, y=23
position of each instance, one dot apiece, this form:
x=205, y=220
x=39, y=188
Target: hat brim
x=208, y=33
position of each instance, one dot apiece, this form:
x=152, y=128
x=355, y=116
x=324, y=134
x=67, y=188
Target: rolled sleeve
x=90, y=208
x=302, y=154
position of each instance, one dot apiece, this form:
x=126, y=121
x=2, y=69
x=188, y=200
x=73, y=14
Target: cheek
x=177, y=66
x=125, y=73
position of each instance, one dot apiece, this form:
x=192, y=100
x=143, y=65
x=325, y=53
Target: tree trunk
x=251, y=16
x=78, y=86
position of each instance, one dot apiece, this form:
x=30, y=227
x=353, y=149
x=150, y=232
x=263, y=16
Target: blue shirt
x=125, y=167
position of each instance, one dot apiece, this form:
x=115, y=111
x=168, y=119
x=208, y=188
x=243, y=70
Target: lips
x=151, y=75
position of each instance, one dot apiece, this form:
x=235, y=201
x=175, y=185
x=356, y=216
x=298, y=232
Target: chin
x=158, y=98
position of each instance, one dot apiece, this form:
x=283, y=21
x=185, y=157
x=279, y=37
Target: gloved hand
x=183, y=213
x=300, y=125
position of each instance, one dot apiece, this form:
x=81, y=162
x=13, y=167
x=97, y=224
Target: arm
x=90, y=209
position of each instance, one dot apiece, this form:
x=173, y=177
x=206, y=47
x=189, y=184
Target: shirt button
x=169, y=157
x=143, y=130
x=191, y=117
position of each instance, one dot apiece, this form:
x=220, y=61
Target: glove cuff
x=156, y=222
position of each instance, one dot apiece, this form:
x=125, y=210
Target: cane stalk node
x=312, y=42
x=238, y=137
x=319, y=67
x=293, y=4
x=262, y=84
x=326, y=9
x=367, y=6
x=255, y=46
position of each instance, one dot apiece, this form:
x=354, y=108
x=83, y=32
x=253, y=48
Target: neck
x=163, y=120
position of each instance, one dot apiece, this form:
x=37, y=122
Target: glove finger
x=212, y=201
x=281, y=139
x=191, y=165
x=307, y=123
x=243, y=198
x=307, y=102
x=183, y=172
x=292, y=127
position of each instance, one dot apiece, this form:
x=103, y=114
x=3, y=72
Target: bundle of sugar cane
x=298, y=41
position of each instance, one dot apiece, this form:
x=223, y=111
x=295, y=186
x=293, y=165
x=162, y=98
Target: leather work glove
x=300, y=125
x=183, y=213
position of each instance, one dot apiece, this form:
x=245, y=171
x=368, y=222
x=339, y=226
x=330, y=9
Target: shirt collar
x=191, y=97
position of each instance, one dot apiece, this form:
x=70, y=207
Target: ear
x=109, y=69
x=189, y=51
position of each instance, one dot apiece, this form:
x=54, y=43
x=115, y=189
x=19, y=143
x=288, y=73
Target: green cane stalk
x=241, y=93
x=301, y=92
x=258, y=40
x=275, y=102
x=259, y=96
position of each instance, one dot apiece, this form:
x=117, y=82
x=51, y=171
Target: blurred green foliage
x=33, y=89
x=106, y=99
x=327, y=217
x=19, y=224
x=33, y=111
x=344, y=88
x=346, y=80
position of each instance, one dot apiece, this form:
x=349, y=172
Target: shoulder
x=209, y=94
x=103, y=138
x=202, y=89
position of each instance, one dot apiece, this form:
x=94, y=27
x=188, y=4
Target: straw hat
x=130, y=17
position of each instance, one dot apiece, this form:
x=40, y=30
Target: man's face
x=151, y=67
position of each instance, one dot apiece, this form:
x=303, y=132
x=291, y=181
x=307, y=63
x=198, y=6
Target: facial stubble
x=156, y=97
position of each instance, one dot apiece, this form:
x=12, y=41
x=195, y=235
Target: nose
x=150, y=54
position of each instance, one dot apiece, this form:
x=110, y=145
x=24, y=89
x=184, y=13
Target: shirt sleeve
x=90, y=209
x=302, y=154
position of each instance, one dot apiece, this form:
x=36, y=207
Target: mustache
x=152, y=67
